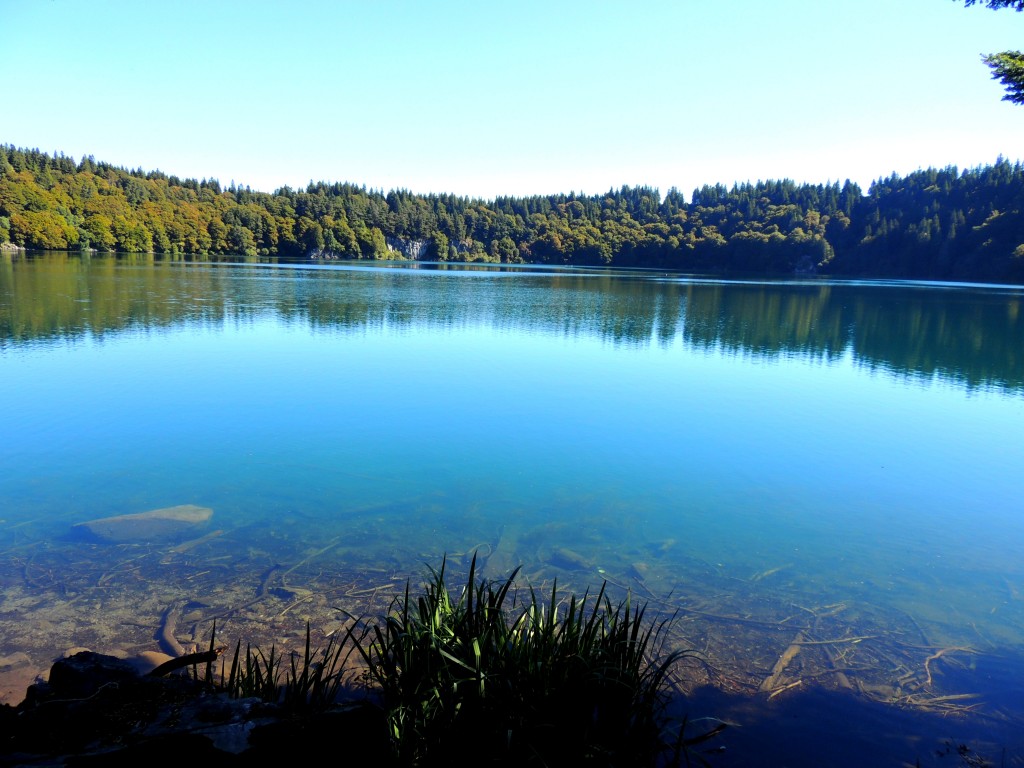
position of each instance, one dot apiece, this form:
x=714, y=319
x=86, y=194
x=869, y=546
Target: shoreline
x=144, y=717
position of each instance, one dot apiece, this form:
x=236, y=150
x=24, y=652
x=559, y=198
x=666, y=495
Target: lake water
x=831, y=465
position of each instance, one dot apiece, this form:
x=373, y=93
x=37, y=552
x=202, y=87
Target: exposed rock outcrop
x=409, y=249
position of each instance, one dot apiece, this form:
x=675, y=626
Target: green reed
x=311, y=681
x=255, y=676
x=315, y=682
x=483, y=674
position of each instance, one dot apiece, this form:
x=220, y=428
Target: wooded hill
x=932, y=224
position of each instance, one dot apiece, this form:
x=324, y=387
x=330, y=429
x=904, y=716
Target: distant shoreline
x=947, y=225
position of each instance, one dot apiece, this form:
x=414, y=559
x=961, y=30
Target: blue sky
x=483, y=99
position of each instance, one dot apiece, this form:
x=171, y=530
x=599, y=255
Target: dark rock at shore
x=97, y=710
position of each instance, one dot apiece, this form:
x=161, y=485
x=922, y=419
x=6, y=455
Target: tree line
x=941, y=224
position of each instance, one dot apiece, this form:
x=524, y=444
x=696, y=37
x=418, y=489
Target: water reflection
x=970, y=336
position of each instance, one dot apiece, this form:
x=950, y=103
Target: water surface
x=840, y=460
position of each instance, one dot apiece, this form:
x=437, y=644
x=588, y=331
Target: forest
x=934, y=224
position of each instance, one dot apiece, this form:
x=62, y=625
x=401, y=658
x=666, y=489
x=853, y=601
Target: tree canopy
x=943, y=224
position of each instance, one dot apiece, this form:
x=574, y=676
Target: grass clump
x=489, y=676
x=310, y=682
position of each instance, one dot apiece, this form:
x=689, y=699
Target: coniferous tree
x=1007, y=67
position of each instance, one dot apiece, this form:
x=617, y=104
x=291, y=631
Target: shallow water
x=839, y=460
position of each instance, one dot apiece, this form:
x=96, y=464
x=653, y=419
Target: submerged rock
x=561, y=557
x=166, y=523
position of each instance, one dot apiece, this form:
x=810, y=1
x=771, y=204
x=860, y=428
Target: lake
x=813, y=467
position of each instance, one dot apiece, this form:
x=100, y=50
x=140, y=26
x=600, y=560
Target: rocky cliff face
x=400, y=248
x=409, y=249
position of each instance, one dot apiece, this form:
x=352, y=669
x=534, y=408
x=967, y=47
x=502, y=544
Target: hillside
x=932, y=224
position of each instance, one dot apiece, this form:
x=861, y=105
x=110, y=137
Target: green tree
x=310, y=235
x=438, y=249
x=372, y=244
x=1007, y=67
x=339, y=238
x=504, y=250
x=379, y=244
x=99, y=228
x=218, y=232
x=131, y=236
x=240, y=240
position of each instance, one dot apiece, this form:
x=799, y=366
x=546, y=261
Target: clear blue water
x=737, y=448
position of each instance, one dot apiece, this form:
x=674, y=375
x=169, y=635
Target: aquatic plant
x=482, y=673
x=311, y=682
x=544, y=684
x=315, y=682
x=257, y=676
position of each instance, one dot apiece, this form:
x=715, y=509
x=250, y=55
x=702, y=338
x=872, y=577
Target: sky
x=483, y=99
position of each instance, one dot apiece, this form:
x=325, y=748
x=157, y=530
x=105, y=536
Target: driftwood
x=168, y=626
x=770, y=572
x=188, y=660
x=841, y=678
x=938, y=655
x=185, y=546
x=771, y=682
x=783, y=688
